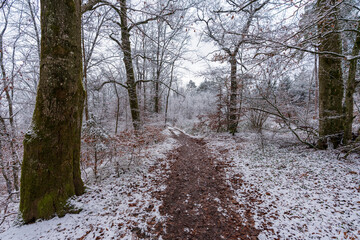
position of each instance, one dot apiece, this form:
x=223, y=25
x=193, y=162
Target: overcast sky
x=195, y=64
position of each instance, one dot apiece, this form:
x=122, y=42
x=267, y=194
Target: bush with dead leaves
x=119, y=151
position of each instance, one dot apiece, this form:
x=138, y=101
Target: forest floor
x=198, y=201
x=249, y=186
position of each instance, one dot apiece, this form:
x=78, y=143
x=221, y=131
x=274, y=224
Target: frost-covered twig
x=353, y=148
x=6, y=204
x=286, y=121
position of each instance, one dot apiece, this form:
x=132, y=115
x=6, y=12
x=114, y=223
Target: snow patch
x=114, y=208
x=304, y=193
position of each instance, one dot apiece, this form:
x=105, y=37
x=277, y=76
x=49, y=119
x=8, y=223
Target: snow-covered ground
x=118, y=207
x=302, y=193
x=294, y=192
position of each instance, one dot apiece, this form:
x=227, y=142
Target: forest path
x=198, y=202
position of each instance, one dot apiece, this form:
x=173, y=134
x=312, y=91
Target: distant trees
x=9, y=163
x=131, y=54
x=51, y=165
x=93, y=24
x=141, y=25
x=327, y=29
x=231, y=26
x=216, y=84
x=168, y=45
x=206, y=86
x=191, y=86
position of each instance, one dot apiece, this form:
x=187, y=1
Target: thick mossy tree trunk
x=130, y=76
x=350, y=90
x=51, y=165
x=331, y=89
x=233, y=119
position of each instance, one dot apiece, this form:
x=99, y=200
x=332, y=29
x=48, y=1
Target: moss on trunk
x=51, y=165
x=350, y=90
x=233, y=119
x=331, y=89
x=130, y=76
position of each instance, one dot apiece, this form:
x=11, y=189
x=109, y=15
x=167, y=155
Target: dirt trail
x=199, y=203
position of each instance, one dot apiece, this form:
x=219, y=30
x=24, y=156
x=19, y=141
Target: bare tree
x=8, y=77
x=126, y=25
x=220, y=24
x=322, y=31
x=93, y=23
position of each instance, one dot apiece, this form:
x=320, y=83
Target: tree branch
x=3, y=2
x=150, y=19
x=92, y=5
x=334, y=54
x=145, y=81
x=110, y=81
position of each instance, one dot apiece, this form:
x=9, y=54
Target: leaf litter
x=217, y=187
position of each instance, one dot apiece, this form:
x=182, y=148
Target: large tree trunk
x=350, y=90
x=130, y=76
x=51, y=165
x=331, y=87
x=233, y=119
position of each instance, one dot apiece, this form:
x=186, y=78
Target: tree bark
x=350, y=90
x=51, y=165
x=168, y=93
x=117, y=109
x=157, y=93
x=158, y=71
x=331, y=87
x=3, y=166
x=130, y=76
x=86, y=103
x=232, y=127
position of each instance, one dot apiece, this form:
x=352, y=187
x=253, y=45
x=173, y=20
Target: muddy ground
x=197, y=200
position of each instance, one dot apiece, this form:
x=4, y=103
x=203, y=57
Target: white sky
x=195, y=64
